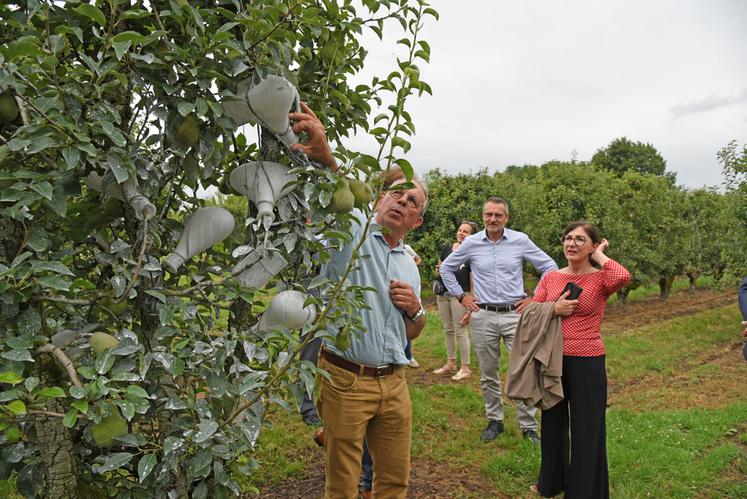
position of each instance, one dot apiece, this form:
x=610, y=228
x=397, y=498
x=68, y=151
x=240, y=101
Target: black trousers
x=583, y=474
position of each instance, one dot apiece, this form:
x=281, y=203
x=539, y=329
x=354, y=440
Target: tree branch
x=64, y=360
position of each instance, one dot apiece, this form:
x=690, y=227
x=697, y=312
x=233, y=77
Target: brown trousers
x=354, y=407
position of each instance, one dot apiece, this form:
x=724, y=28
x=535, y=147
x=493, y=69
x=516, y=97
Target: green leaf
x=30, y=383
x=92, y=12
x=81, y=405
x=121, y=48
x=23, y=47
x=406, y=168
x=54, y=282
x=56, y=267
x=113, y=462
x=41, y=143
x=128, y=36
x=77, y=392
x=44, y=189
x=136, y=391
x=185, y=107
x=37, y=239
x=17, y=407
x=70, y=418
x=51, y=393
x=72, y=157
x=145, y=466
x=17, y=355
x=10, y=377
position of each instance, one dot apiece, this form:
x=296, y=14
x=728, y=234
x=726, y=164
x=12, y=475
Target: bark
x=622, y=296
x=665, y=287
x=11, y=239
x=54, y=441
x=692, y=276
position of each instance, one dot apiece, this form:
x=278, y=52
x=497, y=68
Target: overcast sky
x=528, y=81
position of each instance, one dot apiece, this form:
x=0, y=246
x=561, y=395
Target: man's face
x=401, y=210
x=495, y=217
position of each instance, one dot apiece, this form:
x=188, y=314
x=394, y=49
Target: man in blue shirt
x=366, y=395
x=496, y=256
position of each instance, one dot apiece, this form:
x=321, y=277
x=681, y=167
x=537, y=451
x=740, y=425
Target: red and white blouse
x=581, y=330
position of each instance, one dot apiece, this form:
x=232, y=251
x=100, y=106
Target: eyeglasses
x=411, y=201
x=575, y=240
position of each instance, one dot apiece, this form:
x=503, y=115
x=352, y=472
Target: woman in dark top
x=453, y=315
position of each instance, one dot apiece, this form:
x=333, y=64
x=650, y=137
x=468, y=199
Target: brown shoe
x=319, y=437
x=366, y=494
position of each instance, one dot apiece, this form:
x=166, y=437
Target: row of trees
x=659, y=230
x=172, y=402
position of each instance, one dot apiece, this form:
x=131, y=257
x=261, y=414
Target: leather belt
x=360, y=369
x=497, y=307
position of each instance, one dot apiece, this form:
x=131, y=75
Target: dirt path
x=649, y=310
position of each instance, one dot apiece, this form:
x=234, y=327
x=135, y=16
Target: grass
x=685, y=451
x=676, y=424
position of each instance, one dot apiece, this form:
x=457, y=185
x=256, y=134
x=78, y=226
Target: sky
x=528, y=81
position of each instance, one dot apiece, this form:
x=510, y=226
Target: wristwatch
x=420, y=313
x=461, y=297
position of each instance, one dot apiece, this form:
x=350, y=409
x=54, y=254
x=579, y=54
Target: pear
x=101, y=341
x=8, y=108
x=362, y=192
x=342, y=340
x=108, y=429
x=343, y=199
x=188, y=132
x=110, y=304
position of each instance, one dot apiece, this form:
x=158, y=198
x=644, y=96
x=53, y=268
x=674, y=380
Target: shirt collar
x=484, y=234
x=400, y=248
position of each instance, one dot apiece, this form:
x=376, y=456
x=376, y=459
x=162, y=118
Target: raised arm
x=317, y=146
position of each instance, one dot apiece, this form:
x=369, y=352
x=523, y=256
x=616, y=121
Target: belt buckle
x=380, y=371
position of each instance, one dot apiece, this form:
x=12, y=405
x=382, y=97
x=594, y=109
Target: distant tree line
x=658, y=229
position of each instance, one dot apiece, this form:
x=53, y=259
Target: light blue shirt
x=497, y=267
x=385, y=339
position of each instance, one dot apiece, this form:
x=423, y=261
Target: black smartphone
x=575, y=290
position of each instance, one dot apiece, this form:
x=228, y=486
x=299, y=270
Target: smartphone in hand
x=575, y=290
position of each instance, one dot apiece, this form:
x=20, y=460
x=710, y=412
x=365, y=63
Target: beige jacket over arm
x=536, y=364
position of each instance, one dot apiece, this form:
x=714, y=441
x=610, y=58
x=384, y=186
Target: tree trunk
x=622, y=296
x=11, y=238
x=54, y=441
x=693, y=277
x=665, y=287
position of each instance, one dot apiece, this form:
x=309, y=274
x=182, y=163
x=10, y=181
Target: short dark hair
x=496, y=200
x=590, y=230
x=472, y=225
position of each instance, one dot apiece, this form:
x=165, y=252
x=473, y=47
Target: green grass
x=674, y=453
x=678, y=452
x=664, y=346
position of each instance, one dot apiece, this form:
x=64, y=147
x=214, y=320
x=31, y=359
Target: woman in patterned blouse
x=584, y=375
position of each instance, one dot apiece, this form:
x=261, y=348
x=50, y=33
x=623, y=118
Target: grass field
x=677, y=417
x=676, y=422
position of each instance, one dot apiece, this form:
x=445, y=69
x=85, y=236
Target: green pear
x=8, y=108
x=342, y=340
x=101, y=341
x=362, y=192
x=188, y=132
x=343, y=199
x=111, y=427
